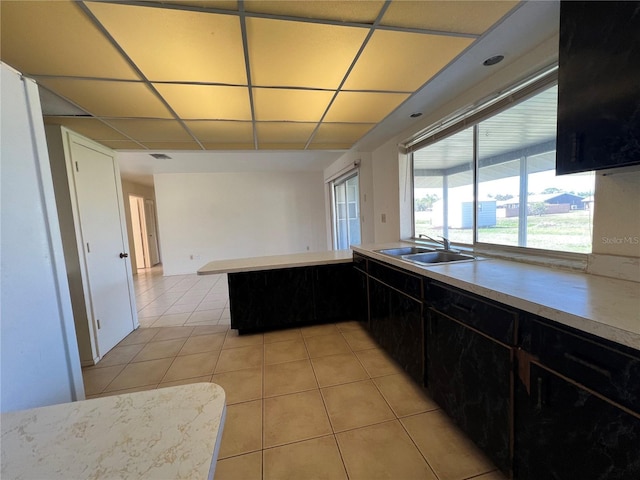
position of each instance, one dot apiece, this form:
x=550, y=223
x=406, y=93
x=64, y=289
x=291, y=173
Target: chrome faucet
x=446, y=244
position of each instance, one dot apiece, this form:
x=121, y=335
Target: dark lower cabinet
x=470, y=377
x=361, y=297
x=270, y=298
x=566, y=432
x=333, y=292
x=542, y=400
x=396, y=324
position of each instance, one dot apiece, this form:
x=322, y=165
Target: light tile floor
x=315, y=402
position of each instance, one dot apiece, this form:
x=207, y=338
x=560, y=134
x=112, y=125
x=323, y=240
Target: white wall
x=40, y=363
x=214, y=216
x=616, y=215
x=386, y=201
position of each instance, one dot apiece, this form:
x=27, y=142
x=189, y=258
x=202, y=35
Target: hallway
x=181, y=299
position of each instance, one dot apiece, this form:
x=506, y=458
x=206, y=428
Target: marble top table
x=169, y=433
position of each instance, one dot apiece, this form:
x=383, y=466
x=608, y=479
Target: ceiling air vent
x=160, y=156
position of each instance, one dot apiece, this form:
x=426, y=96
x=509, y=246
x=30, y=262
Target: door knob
x=124, y=255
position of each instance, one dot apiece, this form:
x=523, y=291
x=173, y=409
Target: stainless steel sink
x=430, y=258
x=400, y=251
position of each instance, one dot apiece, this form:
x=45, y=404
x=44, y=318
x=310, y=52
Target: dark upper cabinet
x=598, y=86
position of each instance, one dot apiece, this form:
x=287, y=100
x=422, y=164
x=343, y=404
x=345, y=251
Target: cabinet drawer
x=608, y=369
x=360, y=262
x=408, y=284
x=496, y=321
x=564, y=432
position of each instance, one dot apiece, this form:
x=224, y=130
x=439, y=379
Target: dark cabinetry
x=564, y=431
x=578, y=410
x=469, y=368
x=333, y=292
x=396, y=317
x=542, y=400
x=361, y=289
x=598, y=87
x=396, y=324
x=269, y=299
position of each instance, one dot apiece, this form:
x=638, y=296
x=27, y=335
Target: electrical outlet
x=383, y=218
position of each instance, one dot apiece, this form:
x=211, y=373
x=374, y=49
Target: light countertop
x=276, y=261
x=605, y=307
x=171, y=432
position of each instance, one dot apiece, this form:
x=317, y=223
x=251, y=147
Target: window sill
x=577, y=262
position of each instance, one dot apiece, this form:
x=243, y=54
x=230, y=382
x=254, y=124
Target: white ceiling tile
x=175, y=45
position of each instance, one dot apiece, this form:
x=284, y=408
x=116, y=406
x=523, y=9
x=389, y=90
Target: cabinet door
x=598, y=88
x=396, y=324
x=470, y=377
x=564, y=432
x=334, y=292
x=362, y=297
x=270, y=299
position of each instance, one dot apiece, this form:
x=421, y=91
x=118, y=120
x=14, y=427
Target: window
x=492, y=180
x=346, y=212
x=443, y=188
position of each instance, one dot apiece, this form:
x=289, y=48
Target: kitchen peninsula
x=537, y=365
x=283, y=291
x=605, y=307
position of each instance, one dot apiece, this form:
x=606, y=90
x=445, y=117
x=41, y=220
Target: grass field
x=568, y=232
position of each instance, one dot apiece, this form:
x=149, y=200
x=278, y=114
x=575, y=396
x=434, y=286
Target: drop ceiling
x=236, y=75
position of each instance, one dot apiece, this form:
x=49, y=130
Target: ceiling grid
x=236, y=75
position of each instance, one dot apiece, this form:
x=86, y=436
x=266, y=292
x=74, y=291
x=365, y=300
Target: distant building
x=461, y=214
x=588, y=203
x=554, y=203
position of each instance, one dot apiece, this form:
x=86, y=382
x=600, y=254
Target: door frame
x=342, y=179
x=70, y=137
x=140, y=246
x=151, y=218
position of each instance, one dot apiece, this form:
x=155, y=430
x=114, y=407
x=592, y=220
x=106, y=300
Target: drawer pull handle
x=585, y=363
x=539, y=404
x=575, y=147
x=467, y=310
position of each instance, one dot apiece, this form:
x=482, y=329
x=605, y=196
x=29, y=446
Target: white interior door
x=99, y=208
x=152, y=238
x=137, y=232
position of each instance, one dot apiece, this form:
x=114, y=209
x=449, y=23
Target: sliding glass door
x=346, y=212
